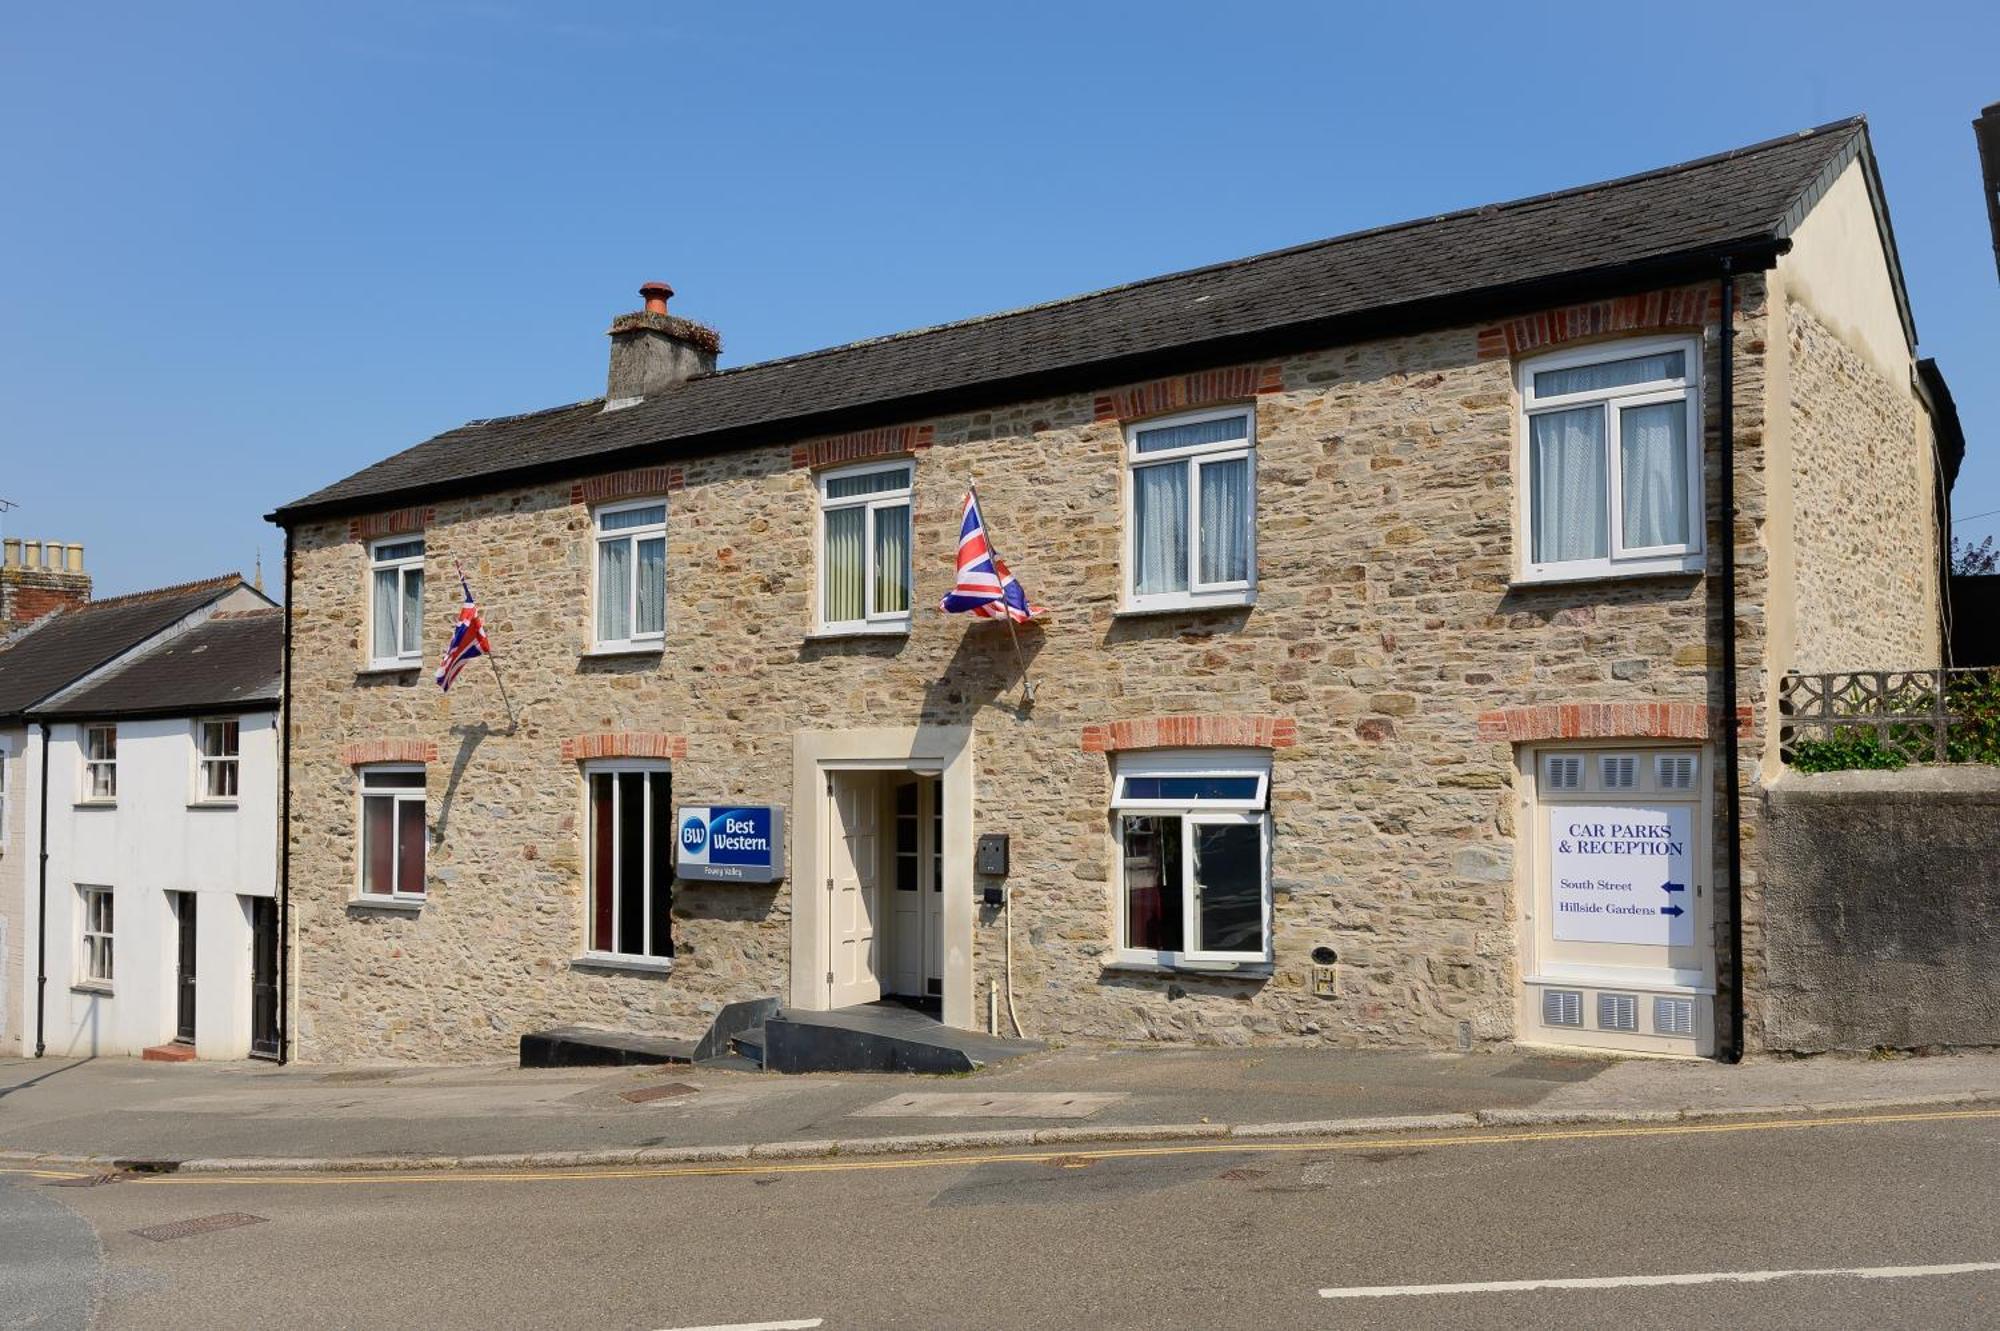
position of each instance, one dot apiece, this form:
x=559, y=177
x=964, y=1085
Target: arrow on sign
x=1672, y=910
x=1673, y=887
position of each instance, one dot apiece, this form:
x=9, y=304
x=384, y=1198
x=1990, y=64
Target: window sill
x=407, y=905
x=380, y=670
x=1228, y=970
x=213, y=804
x=1636, y=572
x=612, y=653
x=615, y=961
x=92, y=988
x=1151, y=610
x=870, y=631
x=95, y=804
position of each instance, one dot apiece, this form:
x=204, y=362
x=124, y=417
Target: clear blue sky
x=250, y=248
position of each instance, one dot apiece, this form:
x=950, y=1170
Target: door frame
x=941, y=751
x=187, y=965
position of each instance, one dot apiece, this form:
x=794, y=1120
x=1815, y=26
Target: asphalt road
x=1174, y=1236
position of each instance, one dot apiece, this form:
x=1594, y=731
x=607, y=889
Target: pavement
x=251, y=1117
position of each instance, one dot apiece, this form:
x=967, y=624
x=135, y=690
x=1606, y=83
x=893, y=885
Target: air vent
x=1565, y=773
x=1562, y=1007
x=1621, y=772
x=1617, y=1012
x=1673, y=1016
x=1676, y=771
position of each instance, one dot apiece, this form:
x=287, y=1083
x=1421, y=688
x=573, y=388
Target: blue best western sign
x=741, y=843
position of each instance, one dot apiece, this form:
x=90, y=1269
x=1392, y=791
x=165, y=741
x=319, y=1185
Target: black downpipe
x=42, y=909
x=1730, y=758
x=285, y=829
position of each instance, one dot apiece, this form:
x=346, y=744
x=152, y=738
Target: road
x=1891, y=1216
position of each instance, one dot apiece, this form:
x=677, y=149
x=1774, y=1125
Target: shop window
x=1192, y=837
x=392, y=833
x=629, y=854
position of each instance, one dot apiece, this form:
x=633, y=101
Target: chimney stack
x=38, y=578
x=653, y=352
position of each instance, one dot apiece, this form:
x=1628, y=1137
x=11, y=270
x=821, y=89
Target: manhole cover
x=208, y=1224
x=664, y=1092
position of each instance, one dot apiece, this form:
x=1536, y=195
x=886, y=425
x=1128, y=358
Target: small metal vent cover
x=1562, y=1007
x=1617, y=1012
x=1621, y=772
x=1673, y=1016
x=1565, y=773
x=1675, y=771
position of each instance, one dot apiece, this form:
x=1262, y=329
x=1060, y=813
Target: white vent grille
x=1617, y=1012
x=1621, y=772
x=1675, y=771
x=1673, y=1016
x=1565, y=773
x=1562, y=1007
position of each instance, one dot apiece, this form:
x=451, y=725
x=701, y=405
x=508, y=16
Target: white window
x=1191, y=510
x=1192, y=834
x=1611, y=461
x=629, y=838
x=864, y=566
x=632, y=575
x=392, y=832
x=100, y=763
x=396, y=599
x=94, y=912
x=217, y=743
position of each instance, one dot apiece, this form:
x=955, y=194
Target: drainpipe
x=1730, y=758
x=285, y=827
x=42, y=909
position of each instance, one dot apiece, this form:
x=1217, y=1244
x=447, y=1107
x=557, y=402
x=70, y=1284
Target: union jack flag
x=985, y=588
x=468, y=639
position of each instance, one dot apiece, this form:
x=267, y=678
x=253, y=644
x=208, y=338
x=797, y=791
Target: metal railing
x=1914, y=713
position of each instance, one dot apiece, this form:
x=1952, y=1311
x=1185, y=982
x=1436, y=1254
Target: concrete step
x=878, y=1037
x=585, y=1047
x=169, y=1053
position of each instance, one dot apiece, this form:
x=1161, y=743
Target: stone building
x=1381, y=698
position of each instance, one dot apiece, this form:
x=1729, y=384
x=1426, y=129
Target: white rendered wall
x=16, y=959
x=155, y=841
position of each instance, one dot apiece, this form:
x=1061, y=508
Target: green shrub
x=1846, y=751
x=1975, y=701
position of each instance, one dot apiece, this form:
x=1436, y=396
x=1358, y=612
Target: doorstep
x=169, y=1053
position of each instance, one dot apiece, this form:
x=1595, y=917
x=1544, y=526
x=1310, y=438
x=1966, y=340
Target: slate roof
x=55, y=652
x=232, y=661
x=1675, y=221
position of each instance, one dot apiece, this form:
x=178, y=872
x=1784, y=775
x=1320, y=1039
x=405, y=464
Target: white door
x=933, y=887
x=914, y=888
x=853, y=859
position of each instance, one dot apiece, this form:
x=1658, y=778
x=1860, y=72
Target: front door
x=263, y=977
x=853, y=882
x=916, y=896
x=184, y=989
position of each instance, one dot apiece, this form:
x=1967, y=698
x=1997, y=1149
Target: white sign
x=1622, y=873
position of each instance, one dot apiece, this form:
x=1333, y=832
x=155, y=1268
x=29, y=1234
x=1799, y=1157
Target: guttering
x=42, y=908
x=1731, y=758
x=285, y=827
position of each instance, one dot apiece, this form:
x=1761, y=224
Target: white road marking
x=1631, y=1282
x=803, y=1324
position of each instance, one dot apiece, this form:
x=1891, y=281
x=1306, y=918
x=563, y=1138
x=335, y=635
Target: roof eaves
x=218, y=587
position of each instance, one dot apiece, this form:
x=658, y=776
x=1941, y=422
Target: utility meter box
x=991, y=855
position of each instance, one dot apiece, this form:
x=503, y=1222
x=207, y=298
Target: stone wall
x=1866, y=543
x=1385, y=626
x=1883, y=910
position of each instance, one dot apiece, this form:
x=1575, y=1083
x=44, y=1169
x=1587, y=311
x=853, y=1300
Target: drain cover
x=208, y=1224
x=665, y=1092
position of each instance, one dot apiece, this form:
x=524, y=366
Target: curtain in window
x=601, y=877
x=378, y=844
x=1569, y=502
x=892, y=560
x=614, y=591
x=1225, y=521
x=1221, y=431
x=1159, y=529
x=385, y=637
x=413, y=611
x=1153, y=912
x=845, y=566
x=1611, y=374
x=659, y=789
x=1652, y=446
x=652, y=615
x=410, y=845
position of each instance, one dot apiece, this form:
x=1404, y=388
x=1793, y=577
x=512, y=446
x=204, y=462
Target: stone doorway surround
x=941, y=751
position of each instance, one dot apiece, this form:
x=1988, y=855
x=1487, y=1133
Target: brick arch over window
x=364, y=752
x=1649, y=311
x=1609, y=720
x=1178, y=732
x=624, y=744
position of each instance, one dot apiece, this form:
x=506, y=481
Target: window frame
x=650, y=860
x=85, y=976
x=203, y=761
x=599, y=538
x=1620, y=560
x=90, y=765
x=872, y=620
x=1192, y=457
x=398, y=795
x=1192, y=814
x=404, y=659
x=6, y=791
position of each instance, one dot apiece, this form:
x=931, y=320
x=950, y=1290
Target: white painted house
x=152, y=926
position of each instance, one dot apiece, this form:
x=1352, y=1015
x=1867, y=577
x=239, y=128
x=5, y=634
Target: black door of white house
x=184, y=1006
x=263, y=977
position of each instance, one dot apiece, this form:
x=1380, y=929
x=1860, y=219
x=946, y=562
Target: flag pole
x=492, y=658
x=992, y=550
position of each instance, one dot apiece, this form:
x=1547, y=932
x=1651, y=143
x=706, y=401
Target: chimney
x=38, y=578
x=653, y=352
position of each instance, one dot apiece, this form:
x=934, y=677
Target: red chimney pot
x=656, y=295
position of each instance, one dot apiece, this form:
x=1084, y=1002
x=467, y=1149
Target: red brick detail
x=1187, y=391
x=1676, y=307
x=31, y=603
x=1176, y=732
x=167, y=1053
x=624, y=744
x=402, y=522
x=628, y=485
x=890, y=441
x=367, y=751
x=1609, y=720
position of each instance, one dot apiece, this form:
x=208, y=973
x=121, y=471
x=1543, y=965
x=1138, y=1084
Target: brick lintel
x=401, y=522
x=1609, y=720
x=1174, y=732
x=1188, y=392
x=639, y=484
x=1668, y=308
x=862, y=445
x=363, y=752
x=624, y=744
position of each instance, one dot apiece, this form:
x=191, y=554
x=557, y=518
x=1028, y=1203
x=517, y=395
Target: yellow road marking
x=43, y=1173
x=834, y=1165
